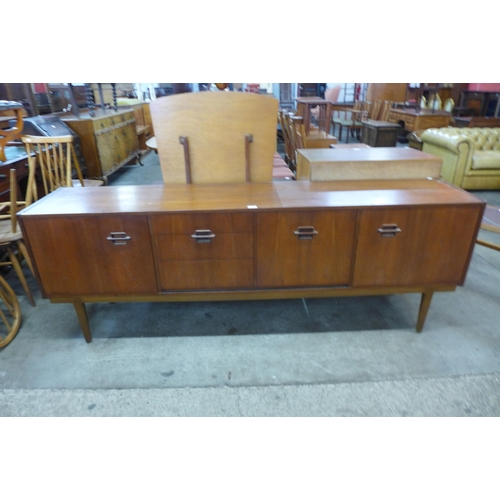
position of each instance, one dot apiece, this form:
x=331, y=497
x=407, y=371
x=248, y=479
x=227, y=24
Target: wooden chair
x=434, y=102
x=302, y=140
x=448, y=105
x=10, y=313
x=348, y=118
x=288, y=122
x=374, y=111
x=491, y=223
x=8, y=133
x=57, y=161
x=331, y=95
x=289, y=150
x=385, y=110
x=11, y=237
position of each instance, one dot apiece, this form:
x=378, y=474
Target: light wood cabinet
x=108, y=139
x=251, y=241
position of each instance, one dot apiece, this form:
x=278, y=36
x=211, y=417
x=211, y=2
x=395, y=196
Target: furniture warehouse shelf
x=251, y=241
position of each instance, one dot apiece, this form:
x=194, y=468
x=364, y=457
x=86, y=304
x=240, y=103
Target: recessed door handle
x=118, y=238
x=388, y=230
x=203, y=236
x=305, y=232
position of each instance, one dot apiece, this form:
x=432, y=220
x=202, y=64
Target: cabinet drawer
x=189, y=223
x=220, y=246
x=205, y=274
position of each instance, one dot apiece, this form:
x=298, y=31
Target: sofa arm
x=447, y=139
x=454, y=149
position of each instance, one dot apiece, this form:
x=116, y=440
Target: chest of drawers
x=251, y=241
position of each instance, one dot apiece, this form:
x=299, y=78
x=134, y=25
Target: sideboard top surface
x=384, y=154
x=250, y=196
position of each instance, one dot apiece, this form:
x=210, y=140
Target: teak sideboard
x=251, y=241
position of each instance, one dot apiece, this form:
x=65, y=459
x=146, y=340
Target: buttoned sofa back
x=471, y=156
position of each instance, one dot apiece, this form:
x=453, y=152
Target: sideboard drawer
x=216, y=274
x=203, y=251
x=189, y=223
x=204, y=246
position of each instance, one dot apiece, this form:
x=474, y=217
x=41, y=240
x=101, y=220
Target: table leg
x=424, y=307
x=81, y=312
x=307, y=118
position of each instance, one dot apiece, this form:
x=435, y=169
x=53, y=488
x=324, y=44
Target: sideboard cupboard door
x=414, y=246
x=81, y=255
x=304, y=248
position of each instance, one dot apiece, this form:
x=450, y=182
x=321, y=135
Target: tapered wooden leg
x=81, y=312
x=424, y=307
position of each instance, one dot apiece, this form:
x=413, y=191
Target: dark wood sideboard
x=251, y=241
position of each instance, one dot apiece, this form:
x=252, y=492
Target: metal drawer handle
x=118, y=238
x=203, y=236
x=305, y=232
x=388, y=230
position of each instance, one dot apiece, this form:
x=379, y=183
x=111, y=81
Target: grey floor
x=315, y=357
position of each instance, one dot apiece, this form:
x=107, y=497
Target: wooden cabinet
x=251, y=241
x=482, y=103
x=108, y=139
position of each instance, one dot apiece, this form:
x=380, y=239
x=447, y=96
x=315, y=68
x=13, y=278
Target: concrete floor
x=316, y=357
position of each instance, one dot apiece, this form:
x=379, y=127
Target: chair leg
x=10, y=314
x=20, y=275
x=26, y=255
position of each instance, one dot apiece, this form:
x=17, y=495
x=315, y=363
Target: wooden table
x=249, y=241
x=363, y=163
x=419, y=120
x=378, y=133
x=304, y=110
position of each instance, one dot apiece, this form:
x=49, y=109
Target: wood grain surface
x=215, y=124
